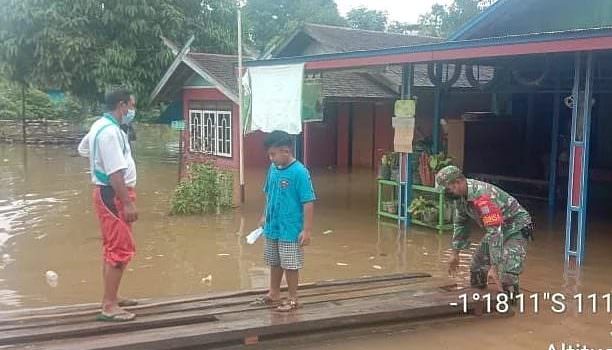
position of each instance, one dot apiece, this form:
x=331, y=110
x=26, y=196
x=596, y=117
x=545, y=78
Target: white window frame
x=223, y=136
x=214, y=129
x=209, y=136
x=195, y=130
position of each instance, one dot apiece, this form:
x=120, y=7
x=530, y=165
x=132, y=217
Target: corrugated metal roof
x=354, y=85
x=515, y=17
x=448, y=45
x=220, y=67
x=342, y=39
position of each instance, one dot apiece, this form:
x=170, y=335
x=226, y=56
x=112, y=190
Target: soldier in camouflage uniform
x=507, y=226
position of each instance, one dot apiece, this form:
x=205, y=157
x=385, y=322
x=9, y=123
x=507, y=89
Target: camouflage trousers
x=509, y=265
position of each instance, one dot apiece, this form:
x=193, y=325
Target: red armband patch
x=489, y=212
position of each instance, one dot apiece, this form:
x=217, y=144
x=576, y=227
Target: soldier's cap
x=447, y=175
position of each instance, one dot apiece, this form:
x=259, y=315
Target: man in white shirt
x=113, y=172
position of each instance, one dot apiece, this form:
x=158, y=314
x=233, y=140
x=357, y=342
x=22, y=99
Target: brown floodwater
x=47, y=224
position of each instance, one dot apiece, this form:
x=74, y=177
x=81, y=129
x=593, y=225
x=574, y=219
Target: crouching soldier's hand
x=493, y=277
x=453, y=263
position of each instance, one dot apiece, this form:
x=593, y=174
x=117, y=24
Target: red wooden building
x=358, y=104
x=548, y=97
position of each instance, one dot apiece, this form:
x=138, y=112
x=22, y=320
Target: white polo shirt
x=112, y=151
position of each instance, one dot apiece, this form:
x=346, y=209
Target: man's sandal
x=265, y=300
x=290, y=305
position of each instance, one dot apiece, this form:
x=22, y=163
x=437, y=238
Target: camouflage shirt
x=493, y=209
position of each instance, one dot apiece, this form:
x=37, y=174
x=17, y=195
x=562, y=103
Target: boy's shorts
x=287, y=255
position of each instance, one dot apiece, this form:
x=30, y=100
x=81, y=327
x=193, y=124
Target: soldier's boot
x=478, y=279
x=511, y=290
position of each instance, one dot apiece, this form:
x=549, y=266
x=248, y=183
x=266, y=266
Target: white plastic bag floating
x=254, y=235
x=52, y=278
x=207, y=280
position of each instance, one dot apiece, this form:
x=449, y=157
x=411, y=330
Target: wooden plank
x=87, y=327
x=78, y=317
x=237, y=326
x=147, y=303
x=215, y=301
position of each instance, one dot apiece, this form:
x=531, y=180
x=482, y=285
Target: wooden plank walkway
x=227, y=318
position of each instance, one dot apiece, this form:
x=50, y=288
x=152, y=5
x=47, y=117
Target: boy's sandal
x=121, y=316
x=265, y=300
x=290, y=305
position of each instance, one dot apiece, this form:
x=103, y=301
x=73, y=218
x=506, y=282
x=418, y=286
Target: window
x=210, y=132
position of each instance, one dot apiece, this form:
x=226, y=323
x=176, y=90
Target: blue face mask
x=129, y=117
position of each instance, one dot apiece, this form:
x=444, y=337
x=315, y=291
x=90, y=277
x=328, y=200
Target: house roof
x=221, y=67
x=343, y=39
x=317, y=38
x=512, y=45
x=354, y=85
x=219, y=70
x=518, y=17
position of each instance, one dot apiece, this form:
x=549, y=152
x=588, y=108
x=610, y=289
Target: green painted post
x=378, y=208
x=441, y=212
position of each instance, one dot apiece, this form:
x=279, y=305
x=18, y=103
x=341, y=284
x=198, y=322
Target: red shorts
x=117, y=239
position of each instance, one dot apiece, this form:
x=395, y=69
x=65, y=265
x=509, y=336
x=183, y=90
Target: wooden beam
x=235, y=327
x=556, y=46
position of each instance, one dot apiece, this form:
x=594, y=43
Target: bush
x=38, y=104
x=206, y=190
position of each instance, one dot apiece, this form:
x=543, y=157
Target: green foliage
x=9, y=106
x=439, y=161
x=434, y=22
x=421, y=208
x=206, y=190
x=38, y=104
x=444, y=20
x=362, y=18
x=402, y=28
x=85, y=46
x=272, y=20
x=148, y=115
x=72, y=109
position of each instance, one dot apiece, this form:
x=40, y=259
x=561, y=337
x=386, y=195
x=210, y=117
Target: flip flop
x=265, y=301
x=289, y=306
x=124, y=302
x=121, y=316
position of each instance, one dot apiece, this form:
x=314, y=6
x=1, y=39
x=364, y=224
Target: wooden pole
x=436, y=122
x=23, y=113
x=180, y=162
x=240, y=122
x=554, y=150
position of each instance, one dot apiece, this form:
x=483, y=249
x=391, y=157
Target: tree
x=19, y=34
x=403, y=28
x=271, y=20
x=433, y=22
x=38, y=104
x=443, y=21
x=362, y=18
x=85, y=46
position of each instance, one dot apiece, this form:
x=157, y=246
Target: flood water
x=47, y=224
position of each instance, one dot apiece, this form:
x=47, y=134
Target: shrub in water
x=206, y=190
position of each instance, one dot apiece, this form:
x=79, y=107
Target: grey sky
x=398, y=10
